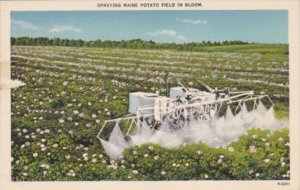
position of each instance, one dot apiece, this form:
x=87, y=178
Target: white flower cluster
x=71, y=173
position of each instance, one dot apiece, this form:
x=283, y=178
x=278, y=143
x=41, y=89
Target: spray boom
x=151, y=115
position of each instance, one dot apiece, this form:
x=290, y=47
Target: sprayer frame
x=186, y=108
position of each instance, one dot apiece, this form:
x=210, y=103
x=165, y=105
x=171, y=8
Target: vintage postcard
x=149, y=94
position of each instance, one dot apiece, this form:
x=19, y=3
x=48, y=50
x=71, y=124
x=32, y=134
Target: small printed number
x=283, y=183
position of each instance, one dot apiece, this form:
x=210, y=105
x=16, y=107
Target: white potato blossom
x=280, y=139
x=113, y=166
x=94, y=160
x=231, y=149
x=150, y=147
x=252, y=149
x=220, y=161
x=71, y=173
x=266, y=160
x=285, y=175
x=46, y=166
x=267, y=144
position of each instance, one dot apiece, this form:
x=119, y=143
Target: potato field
x=70, y=91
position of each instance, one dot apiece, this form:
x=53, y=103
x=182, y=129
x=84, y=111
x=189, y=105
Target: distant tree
x=134, y=43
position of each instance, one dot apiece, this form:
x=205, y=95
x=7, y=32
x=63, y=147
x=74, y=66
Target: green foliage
x=152, y=162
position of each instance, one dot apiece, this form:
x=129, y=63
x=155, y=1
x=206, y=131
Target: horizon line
x=277, y=43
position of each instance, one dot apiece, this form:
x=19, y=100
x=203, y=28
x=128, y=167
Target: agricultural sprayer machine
x=182, y=106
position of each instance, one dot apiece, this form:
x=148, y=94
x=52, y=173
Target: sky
x=261, y=26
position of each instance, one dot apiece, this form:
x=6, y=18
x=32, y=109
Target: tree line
x=133, y=44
